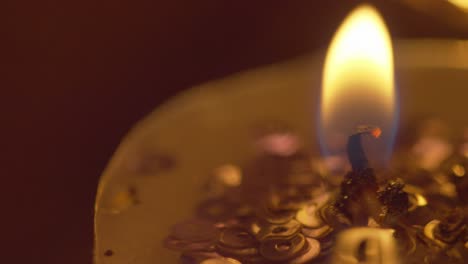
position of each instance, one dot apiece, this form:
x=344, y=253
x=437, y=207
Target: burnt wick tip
x=356, y=154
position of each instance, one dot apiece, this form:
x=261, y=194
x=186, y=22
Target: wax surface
x=155, y=178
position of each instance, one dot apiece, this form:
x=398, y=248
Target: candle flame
x=358, y=80
x=462, y=4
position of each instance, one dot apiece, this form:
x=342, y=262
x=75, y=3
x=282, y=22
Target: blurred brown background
x=80, y=73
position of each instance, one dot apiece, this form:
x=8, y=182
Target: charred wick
x=356, y=154
x=360, y=196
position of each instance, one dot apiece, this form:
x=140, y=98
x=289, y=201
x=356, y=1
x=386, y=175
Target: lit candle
x=276, y=208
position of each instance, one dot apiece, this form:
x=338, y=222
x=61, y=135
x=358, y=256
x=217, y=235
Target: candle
x=279, y=219
x=276, y=216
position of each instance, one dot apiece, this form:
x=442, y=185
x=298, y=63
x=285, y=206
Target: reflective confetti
x=281, y=249
x=281, y=144
x=282, y=209
x=220, y=261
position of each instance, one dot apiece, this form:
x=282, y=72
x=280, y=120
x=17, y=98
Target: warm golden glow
x=458, y=170
x=463, y=4
x=415, y=196
x=420, y=200
x=358, y=79
x=229, y=175
x=359, y=62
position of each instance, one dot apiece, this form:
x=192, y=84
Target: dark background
x=80, y=73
